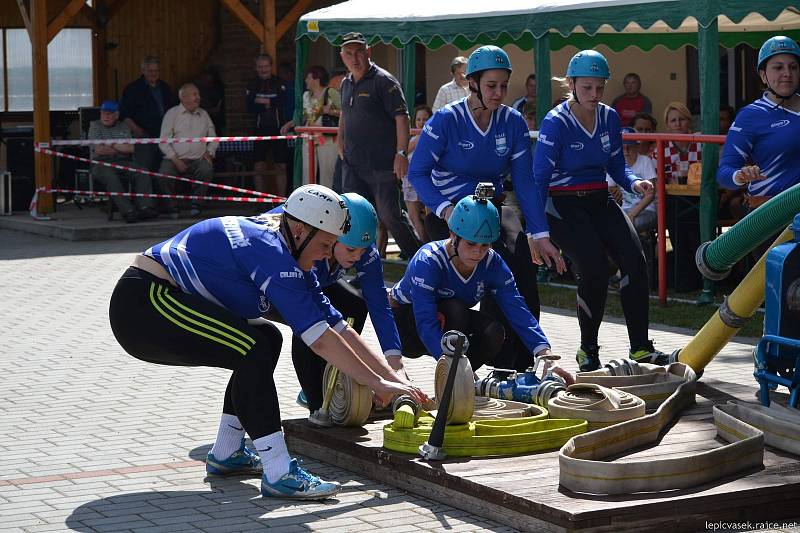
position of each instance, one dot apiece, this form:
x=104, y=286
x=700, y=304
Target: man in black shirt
x=266, y=95
x=373, y=137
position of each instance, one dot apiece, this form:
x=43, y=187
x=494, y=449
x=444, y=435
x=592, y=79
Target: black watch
x=403, y=153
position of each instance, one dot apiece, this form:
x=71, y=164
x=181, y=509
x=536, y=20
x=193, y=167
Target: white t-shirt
x=644, y=168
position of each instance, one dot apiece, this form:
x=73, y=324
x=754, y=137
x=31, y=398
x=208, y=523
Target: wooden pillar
x=41, y=100
x=100, y=66
x=269, y=42
x=544, y=95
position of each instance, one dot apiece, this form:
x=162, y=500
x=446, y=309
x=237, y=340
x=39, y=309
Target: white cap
x=319, y=207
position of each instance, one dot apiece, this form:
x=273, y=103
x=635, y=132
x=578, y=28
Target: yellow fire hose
x=731, y=316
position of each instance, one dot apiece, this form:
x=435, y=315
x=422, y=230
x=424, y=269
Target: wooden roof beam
x=25, y=18
x=114, y=8
x=291, y=18
x=91, y=16
x=64, y=18
x=246, y=17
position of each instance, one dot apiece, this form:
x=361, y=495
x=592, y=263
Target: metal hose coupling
x=703, y=266
x=548, y=389
x=623, y=367
x=406, y=412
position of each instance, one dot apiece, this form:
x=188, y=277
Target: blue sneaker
x=299, y=484
x=242, y=461
x=302, y=401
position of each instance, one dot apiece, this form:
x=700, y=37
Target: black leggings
x=485, y=334
x=587, y=228
x=514, y=353
x=310, y=367
x=158, y=323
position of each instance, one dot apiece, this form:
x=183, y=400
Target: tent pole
x=544, y=95
x=409, y=74
x=708, y=52
x=300, y=57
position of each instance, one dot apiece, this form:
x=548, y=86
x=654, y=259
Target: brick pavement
x=95, y=440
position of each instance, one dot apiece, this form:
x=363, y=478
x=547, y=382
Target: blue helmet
x=363, y=221
x=588, y=64
x=487, y=58
x=777, y=45
x=628, y=129
x=475, y=220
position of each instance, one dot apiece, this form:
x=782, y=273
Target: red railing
x=660, y=140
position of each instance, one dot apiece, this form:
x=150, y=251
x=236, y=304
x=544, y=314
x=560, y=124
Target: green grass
x=684, y=315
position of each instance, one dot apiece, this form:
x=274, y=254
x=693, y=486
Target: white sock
x=229, y=437
x=274, y=455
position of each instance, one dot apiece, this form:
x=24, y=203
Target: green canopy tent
x=546, y=25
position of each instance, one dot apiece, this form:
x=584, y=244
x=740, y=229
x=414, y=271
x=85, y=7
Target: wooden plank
x=290, y=18
x=91, y=16
x=269, y=42
x=41, y=101
x=247, y=18
x=25, y=18
x=64, y=18
x=114, y=8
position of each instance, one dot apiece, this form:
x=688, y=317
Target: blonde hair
x=680, y=107
x=271, y=220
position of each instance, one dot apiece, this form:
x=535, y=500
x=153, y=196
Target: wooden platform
x=523, y=491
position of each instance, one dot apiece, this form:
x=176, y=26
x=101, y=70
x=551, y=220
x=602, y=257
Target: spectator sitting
x=455, y=89
x=645, y=123
x=142, y=108
x=640, y=209
x=109, y=128
x=186, y=120
x=265, y=99
x=679, y=155
x=529, y=96
x=632, y=101
x=322, y=106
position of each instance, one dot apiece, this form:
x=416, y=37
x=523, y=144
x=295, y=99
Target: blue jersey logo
x=605, y=140
x=445, y=293
x=466, y=145
x=779, y=124
x=500, y=146
x=576, y=146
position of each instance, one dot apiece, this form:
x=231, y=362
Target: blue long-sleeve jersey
x=764, y=135
x=431, y=277
x=369, y=271
x=453, y=155
x=244, y=266
x=569, y=157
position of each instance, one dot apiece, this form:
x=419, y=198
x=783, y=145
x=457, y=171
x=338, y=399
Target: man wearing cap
x=108, y=127
x=373, y=137
x=455, y=89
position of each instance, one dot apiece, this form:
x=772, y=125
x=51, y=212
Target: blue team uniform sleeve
x=544, y=164
x=616, y=167
x=430, y=147
x=370, y=273
x=332, y=315
x=736, y=151
x=522, y=170
x=501, y=281
x=424, y=280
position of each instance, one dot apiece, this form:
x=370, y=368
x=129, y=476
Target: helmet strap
x=574, y=92
x=477, y=78
x=296, y=250
x=455, y=242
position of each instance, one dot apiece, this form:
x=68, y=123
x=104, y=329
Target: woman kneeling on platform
x=198, y=299
x=445, y=279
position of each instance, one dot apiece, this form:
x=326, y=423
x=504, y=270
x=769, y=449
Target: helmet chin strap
x=776, y=93
x=480, y=97
x=455, y=242
x=296, y=251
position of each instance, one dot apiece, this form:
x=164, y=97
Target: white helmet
x=319, y=207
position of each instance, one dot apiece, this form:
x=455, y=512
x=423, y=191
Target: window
x=69, y=58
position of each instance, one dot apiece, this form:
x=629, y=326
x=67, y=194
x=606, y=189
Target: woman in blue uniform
x=355, y=249
x=478, y=139
x=762, y=149
x=579, y=142
x=197, y=300
x=446, y=278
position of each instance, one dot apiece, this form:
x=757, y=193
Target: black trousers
x=513, y=353
x=485, y=334
x=587, y=228
x=158, y=323
x=310, y=367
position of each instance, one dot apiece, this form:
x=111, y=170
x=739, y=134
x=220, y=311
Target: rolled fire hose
x=652, y=383
x=583, y=469
x=778, y=423
x=492, y=408
x=462, y=402
x=351, y=402
x=599, y=406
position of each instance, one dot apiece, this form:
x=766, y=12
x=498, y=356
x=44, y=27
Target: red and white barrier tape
x=244, y=199
x=173, y=140
x=154, y=174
